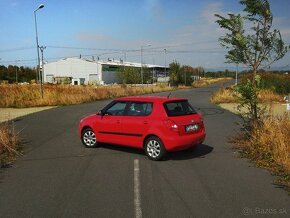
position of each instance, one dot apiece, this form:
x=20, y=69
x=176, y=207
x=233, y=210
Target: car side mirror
x=101, y=113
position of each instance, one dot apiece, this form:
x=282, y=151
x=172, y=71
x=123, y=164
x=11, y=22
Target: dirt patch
x=277, y=109
x=12, y=113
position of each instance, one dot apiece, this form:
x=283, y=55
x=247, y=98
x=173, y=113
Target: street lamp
x=37, y=48
x=142, y=46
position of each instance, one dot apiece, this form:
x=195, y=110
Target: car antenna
x=168, y=95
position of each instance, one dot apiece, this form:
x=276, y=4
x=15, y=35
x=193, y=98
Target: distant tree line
x=219, y=74
x=230, y=73
x=24, y=74
x=185, y=74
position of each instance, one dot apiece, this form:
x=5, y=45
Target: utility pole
x=41, y=72
x=142, y=62
x=125, y=56
x=153, y=70
x=165, y=62
x=37, y=46
x=185, y=76
x=16, y=76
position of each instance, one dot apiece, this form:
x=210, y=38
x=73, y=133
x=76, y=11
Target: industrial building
x=78, y=71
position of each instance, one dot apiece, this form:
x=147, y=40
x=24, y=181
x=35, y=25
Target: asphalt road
x=58, y=177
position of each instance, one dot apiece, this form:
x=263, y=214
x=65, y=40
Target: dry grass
x=267, y=142
x=29, y=96
x=224, y=95
x=268, y=145
x=267, y=96
x=9, y=144
x=208, y=81
x=227, y=95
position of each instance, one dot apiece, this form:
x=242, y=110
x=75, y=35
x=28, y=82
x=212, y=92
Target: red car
x=155, y=124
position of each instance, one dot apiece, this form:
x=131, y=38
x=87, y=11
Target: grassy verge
x=267, y=143
x=9, y=144
x=208, y=81
x=54, y=95
x=228, y=95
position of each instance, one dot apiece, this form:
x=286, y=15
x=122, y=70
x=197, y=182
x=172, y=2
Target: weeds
x=29, y=95
x=9, y=144
x=267, y=144
x=277, y=82
x=207, y=81
x=264, y=140
x=224, y=95
x=228, y=95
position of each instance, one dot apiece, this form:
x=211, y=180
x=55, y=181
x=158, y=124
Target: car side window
x=116, y=109
x=140, y=109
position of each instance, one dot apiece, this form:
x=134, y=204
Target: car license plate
x=191, y=127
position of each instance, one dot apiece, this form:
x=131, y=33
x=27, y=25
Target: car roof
x=160, y=99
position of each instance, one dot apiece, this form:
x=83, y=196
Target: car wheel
x=89, y=138
x=154, y=148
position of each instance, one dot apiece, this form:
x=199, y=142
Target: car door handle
x=118, y=122
x=145, y=122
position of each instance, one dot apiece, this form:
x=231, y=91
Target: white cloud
x=210, y=10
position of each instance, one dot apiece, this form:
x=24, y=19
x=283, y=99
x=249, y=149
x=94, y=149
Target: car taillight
x=171, y=125
x=201, y=125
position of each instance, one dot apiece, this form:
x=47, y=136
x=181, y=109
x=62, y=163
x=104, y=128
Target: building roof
x=112, y=62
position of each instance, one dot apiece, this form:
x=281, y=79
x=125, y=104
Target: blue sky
x=104, y=28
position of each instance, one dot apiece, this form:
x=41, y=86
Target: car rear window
x=178, y=108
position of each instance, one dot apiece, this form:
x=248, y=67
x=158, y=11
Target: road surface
x=58, y=177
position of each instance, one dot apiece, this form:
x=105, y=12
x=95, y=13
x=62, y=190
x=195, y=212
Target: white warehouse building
x=79, y=71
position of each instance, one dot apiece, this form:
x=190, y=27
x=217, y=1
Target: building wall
x=74, y=68
x=101, y=72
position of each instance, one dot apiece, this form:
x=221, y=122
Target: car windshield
x=178, y=108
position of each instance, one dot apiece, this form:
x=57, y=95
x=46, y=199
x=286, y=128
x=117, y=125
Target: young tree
x=259, y=47
x=174, y=72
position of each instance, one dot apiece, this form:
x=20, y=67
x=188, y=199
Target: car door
x=110, y=124
x=136, y=122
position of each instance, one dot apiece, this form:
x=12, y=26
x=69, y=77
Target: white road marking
x=137, y=198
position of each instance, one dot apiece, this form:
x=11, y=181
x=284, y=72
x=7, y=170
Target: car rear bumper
x=177, y=143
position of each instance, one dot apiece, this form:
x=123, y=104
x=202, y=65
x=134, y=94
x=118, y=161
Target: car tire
x=154, y=148
x=89, y=138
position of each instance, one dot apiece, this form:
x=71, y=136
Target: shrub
x=278, y=82
x=267, y=143
x=9, y=144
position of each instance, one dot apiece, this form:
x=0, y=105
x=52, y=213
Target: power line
x=83, y=48
x=17, y=49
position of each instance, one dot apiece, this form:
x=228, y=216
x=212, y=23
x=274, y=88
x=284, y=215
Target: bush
x=267, y=143
x=9, y=144
x=278, y=82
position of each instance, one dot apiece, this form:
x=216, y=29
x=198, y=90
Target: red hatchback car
x=155, y=124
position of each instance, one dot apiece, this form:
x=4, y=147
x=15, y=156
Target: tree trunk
x=254, y=99
x=254, y=77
